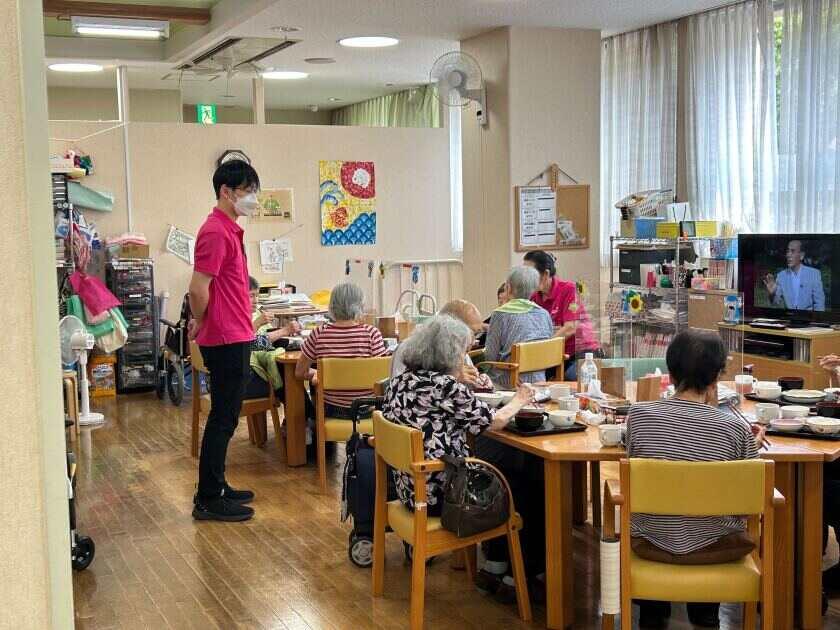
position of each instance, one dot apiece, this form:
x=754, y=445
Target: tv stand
x=776, y=353
x=802, y=323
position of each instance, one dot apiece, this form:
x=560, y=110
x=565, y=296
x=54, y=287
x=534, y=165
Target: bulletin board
x=551, y=217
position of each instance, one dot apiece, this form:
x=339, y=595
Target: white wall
x=172, y=167
x=67, y=103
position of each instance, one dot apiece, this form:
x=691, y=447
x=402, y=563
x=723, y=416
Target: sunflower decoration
x=635, y=303
x=581, y=288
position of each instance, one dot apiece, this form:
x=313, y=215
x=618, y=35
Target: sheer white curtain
x=731, y=119
x=809, y=142
x=638, y=118
x=456, y=181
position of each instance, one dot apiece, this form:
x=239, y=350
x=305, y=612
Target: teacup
x=765, y=413
x=569, y=403
x=744, y=383
x=610, y=434
x=795, y=411
x=561, y=418
x=559, y=391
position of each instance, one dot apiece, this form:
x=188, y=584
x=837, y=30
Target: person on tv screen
x=799, y=287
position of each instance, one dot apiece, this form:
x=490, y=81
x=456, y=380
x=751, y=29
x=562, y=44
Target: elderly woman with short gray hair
x=516, y=321
x=429, y=397
x=345, y=337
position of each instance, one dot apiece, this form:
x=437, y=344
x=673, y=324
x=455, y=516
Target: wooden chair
x=253, y=408
x=361, y=373
x=532, y=356
x=695, y=489
x=71, y=401
x=401, y=447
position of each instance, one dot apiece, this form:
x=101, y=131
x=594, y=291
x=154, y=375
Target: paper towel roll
x=610, y=578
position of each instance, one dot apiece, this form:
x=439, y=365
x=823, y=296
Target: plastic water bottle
x=588, y=371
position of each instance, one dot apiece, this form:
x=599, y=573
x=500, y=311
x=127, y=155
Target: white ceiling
x=426, y=29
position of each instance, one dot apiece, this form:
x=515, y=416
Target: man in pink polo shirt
x=221, y=307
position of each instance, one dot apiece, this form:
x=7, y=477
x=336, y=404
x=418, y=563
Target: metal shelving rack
x=132, y=281
x=622, y=336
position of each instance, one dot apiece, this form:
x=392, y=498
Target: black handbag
x=474, y=498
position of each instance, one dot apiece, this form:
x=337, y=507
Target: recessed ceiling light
x=319, y=60
x=75, y=67
x=333, y=99
x=284, y=75
x=369, y=41
x=389, y=85
x=114, y=27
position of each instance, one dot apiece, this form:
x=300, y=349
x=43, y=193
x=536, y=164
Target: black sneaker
x=704, y=615
x=240, y=496
x=221, y=509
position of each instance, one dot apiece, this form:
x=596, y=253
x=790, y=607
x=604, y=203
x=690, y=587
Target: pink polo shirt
x=220, y=252
x=562, y=304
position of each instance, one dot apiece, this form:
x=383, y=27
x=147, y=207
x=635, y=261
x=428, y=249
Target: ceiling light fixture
x=369, y=41
x=333, y=99
x=122, y=28
x=319, y=60
x=75, y=67
x=284, y=75
x=285, y=29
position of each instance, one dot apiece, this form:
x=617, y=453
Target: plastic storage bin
x=646, y=226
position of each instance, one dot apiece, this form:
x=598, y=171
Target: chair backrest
x=398, y=445
x=532, y=356
x=350, y=374
x=196, y=360
x=697, y=488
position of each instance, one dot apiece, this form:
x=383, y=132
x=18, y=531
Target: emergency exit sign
x=206, y=114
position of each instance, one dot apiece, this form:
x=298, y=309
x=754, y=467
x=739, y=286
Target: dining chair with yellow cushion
x=356, y=374
x=254, y=409
x=677, y=488
x=401, y=448
x=532, y=356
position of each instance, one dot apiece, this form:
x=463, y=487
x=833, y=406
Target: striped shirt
x=686, y=431
x=346, y=342
x=507, y=329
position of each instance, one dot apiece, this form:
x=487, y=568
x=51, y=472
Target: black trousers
x=229, y=369
x=525, y=475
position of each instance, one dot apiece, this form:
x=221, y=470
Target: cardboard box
x=628, y=228
x=133, y=251
x=706, y=228
x=102, y=376
x=667, y=229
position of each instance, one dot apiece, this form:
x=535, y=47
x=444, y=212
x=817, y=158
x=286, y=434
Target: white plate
x=804, y=396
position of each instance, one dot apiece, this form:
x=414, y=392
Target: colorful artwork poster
x=348, y=203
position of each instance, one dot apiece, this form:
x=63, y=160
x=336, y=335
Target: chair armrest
x=428, y=466
x=612, y=492
x=778, y=498
x=502, y=365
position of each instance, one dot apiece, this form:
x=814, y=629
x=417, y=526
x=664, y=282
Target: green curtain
x=417, y=107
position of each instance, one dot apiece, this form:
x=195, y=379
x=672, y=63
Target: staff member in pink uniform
x=222, y=328
x=559, y=298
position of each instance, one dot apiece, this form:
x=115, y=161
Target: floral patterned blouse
x=444, y=410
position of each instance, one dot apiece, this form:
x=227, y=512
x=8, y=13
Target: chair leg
x=418, y=587
x=322, y=461
x=750, y=616
x=579, y=498
x=196, y=421
x=607, y=622
x=468, y=555
x=251, y=430
x=626, y=614
x=278, y=434
x=519, y=580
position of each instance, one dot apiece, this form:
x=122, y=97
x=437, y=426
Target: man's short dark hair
x=542, y=261
x=695, y=359
x=235, y=174
x=253, y=284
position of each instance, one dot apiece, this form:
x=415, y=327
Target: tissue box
x=646, y=226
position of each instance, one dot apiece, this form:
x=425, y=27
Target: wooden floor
x=287, y=568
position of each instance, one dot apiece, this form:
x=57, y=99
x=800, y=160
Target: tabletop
x=586, y=446
x=291, y=356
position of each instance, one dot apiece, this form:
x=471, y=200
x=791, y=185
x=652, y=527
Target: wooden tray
x=777, y=401
x=806, y=434
x=547, y=429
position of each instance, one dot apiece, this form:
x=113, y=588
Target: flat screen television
x=792, y=277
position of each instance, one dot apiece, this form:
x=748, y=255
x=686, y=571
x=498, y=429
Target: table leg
x=258, y=422
x=784, y=545
x=809, y=547
x=295, y=416
x=558, y=544
x=595, y=492
x=579, y=498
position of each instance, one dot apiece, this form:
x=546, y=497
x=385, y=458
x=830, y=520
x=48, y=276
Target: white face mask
x=245, y=206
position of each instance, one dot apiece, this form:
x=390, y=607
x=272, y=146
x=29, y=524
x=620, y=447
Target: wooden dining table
x=798, y=539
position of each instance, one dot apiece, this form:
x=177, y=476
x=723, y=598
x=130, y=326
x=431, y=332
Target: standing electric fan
x=76, y=342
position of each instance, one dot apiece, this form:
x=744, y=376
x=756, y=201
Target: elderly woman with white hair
x=516, y=321
x=429, y=397
x=345, y=337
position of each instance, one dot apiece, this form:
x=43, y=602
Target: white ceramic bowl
x=558, y=391
x=767, y=389
x=788, y=425
x=506, y=396
x=819, y=424
x=832, y=391
x=493, y=399
x=795, y=411
x=804, y=396
x=561, y=418
x=610, y=434
x=569, y=403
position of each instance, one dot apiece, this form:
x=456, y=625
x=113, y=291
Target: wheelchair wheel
x=82, y=553
x=175, y=382
x=361, y=551
x=160, y=388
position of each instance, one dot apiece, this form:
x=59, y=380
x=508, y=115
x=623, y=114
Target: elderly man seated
x=516, y=321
